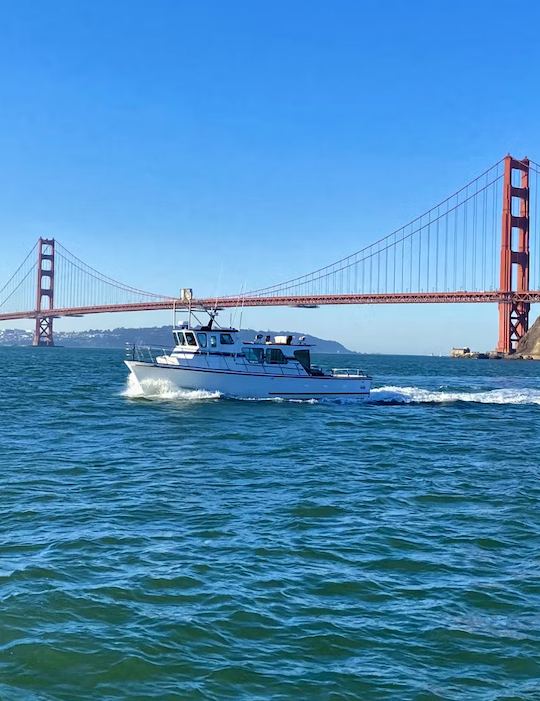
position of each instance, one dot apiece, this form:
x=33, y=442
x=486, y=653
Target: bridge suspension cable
x=19, y=292
x=81, y=285
x=480, y=244
x=450, y=247
x=534, y=222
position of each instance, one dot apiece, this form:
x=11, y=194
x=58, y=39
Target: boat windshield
x=303, y=358
x=275, y=355
x=254, y=355
x=201, y=337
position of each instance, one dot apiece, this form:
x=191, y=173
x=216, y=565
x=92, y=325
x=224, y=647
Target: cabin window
x=303, y=358
x=254, y=355
x=190, y=338
x=201, y=337
x=226, y=339
x=213, y=341
x=179, y=338
x=275, y=355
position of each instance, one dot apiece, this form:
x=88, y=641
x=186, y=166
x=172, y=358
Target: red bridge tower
x=43, y=334
x=514, y=272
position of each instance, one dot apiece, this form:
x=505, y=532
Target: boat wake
x=415, y=395
x=162, y=389
x=389, y=395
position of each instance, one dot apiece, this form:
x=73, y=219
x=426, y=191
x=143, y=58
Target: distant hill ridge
x=150, y=336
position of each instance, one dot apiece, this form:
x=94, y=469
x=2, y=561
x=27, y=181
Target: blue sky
x=217, y=145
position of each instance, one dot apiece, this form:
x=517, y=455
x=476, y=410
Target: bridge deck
x=288, y=301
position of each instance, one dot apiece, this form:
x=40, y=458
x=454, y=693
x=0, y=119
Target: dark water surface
x=187, y=548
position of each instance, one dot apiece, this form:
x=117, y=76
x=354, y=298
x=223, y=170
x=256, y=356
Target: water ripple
x=176, y=546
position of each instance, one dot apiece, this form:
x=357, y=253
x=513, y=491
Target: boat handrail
x=349, y=372
x=145, y=354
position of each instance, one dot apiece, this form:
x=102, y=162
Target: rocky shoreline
x=529, y=346
x=528, y=349
x=491, y=355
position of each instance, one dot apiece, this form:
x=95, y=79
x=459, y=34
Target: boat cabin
x=263, y=349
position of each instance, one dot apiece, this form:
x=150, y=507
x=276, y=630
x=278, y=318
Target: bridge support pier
x=514, y=271
x=43, y=333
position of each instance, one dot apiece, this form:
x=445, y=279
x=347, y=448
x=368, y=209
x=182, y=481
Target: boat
x=219, y=360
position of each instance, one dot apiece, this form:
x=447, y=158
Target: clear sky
x=218, y=144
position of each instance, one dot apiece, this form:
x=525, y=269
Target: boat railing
x=349, y=372
x=145, y=354
x=153, y=354
x=285, y=369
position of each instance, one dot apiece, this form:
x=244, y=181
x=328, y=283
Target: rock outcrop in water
x=529, y=346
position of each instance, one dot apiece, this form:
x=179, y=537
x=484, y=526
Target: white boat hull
x=231, y=383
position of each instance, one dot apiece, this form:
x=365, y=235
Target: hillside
x=150, y=336
x=530, y=343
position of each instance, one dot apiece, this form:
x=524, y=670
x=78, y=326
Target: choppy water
x=183, y=547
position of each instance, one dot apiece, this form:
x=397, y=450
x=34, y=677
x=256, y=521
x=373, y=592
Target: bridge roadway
x=285, y=301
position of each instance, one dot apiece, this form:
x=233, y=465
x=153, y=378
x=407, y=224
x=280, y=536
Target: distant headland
x=150, y=336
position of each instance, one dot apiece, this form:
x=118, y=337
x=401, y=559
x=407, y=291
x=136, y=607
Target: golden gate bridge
x=479, y=245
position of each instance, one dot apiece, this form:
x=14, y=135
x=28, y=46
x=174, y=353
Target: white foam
x=415, y=395
x=390, y=394
x=163, y=389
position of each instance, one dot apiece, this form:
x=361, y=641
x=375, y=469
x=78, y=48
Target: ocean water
x=183, y=546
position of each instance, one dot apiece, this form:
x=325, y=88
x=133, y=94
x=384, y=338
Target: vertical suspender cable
x=475, y=212
x=437, y=252
x=465, y=238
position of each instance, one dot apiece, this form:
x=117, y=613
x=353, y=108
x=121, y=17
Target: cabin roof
x=278, y=343
x=215, y=329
